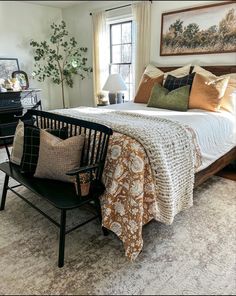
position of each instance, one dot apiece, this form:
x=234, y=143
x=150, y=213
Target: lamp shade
x=114, y=83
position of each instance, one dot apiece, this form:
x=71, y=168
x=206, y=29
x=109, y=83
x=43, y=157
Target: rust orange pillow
x=145, y=88
x=207, y=93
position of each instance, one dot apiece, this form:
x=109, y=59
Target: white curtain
x=99, y=52
x=142, y=19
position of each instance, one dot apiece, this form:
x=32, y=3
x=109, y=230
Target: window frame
x=131, y=43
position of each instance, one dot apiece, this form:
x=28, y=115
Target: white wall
x=208, y=59
x=19, y=23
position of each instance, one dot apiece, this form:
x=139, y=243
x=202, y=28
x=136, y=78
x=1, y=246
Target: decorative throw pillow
x=31, y=146
x=153, y=75
x=207, y=93
x=228, y=101
x=173, y=82
x=180, y=72
x=145, y=88
x=18, y=142
x=57, y=156
x=174, y=100
x=152, y=71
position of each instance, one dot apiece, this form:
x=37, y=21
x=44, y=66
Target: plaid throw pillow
x=173, y=82
x=31, y=146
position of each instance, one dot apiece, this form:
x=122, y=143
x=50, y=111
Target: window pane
x=125, y=72
x=116, y=54
x=116, y=34
x=126, y=53
x=114, y=69
x=126, y=33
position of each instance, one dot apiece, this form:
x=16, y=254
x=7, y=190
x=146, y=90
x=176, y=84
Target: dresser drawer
x=10, y=116
x=10, y=100
x=10, y=103
x=8, y=129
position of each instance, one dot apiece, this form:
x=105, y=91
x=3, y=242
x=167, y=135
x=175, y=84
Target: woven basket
x=84, y=184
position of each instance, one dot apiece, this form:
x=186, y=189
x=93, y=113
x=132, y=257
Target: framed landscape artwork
x=7, y=66
x=199, y=30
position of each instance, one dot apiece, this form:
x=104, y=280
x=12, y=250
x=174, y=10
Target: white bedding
x=215, y=131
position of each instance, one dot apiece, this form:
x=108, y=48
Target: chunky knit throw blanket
x=169, y=146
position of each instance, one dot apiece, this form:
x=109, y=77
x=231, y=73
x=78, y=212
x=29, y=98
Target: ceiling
x=58, y=4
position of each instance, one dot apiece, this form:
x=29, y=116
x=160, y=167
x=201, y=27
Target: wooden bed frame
x=226, y=159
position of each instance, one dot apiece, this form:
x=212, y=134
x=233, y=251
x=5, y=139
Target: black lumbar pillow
x=31, y=146
x=173, y=82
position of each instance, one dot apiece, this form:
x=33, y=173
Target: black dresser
x=10, y=109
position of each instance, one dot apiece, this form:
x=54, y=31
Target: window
x=121, y=48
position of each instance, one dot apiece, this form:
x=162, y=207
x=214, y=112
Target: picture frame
x=22, y=78
x=204, y=29
x=7, y=66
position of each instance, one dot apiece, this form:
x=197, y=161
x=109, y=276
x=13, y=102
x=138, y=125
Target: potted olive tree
x=60, y=58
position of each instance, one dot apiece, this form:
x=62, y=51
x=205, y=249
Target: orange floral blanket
x=130, y=198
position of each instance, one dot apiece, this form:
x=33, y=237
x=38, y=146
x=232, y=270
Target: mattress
x=215, y=131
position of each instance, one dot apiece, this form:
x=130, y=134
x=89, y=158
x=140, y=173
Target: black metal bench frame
x=93, y=161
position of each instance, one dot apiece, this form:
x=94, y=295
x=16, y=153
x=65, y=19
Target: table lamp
x=114, y=84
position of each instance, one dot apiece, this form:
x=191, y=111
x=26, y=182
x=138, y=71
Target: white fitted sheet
x=215, y=131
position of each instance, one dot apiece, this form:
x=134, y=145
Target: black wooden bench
x=63, y=195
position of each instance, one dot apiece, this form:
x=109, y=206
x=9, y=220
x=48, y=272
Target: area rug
x=193, y=256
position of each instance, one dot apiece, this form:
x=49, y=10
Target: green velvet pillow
x=176, y=99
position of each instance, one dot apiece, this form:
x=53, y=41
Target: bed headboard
x=217, y=70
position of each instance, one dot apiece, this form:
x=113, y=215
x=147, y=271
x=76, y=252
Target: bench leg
x=62, y=239
x=105, y=231
x=4, y=193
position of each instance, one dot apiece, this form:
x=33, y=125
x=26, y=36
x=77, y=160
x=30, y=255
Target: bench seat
x=60, y=194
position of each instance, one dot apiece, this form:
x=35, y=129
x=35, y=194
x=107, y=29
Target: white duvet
x=215, y=131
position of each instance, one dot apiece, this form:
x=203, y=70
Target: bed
x=142, y=184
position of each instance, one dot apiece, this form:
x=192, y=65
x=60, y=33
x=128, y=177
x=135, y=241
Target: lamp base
x=115, y=98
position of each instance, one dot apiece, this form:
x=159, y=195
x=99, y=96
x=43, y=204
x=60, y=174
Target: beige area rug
x=195, y=255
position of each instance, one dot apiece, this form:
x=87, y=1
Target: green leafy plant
x=60, y=58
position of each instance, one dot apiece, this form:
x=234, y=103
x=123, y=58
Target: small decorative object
x=16, y=84
x=85, y=180
x=22, y=77
x=199, y=30
x=2, y=89
x=102, y=100
x=114, y=84
x=60, y=58
x=8, y=84
x=7, y=66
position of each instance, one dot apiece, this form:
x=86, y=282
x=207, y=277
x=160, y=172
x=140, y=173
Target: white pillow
x=153, y=71
x=180, y=72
